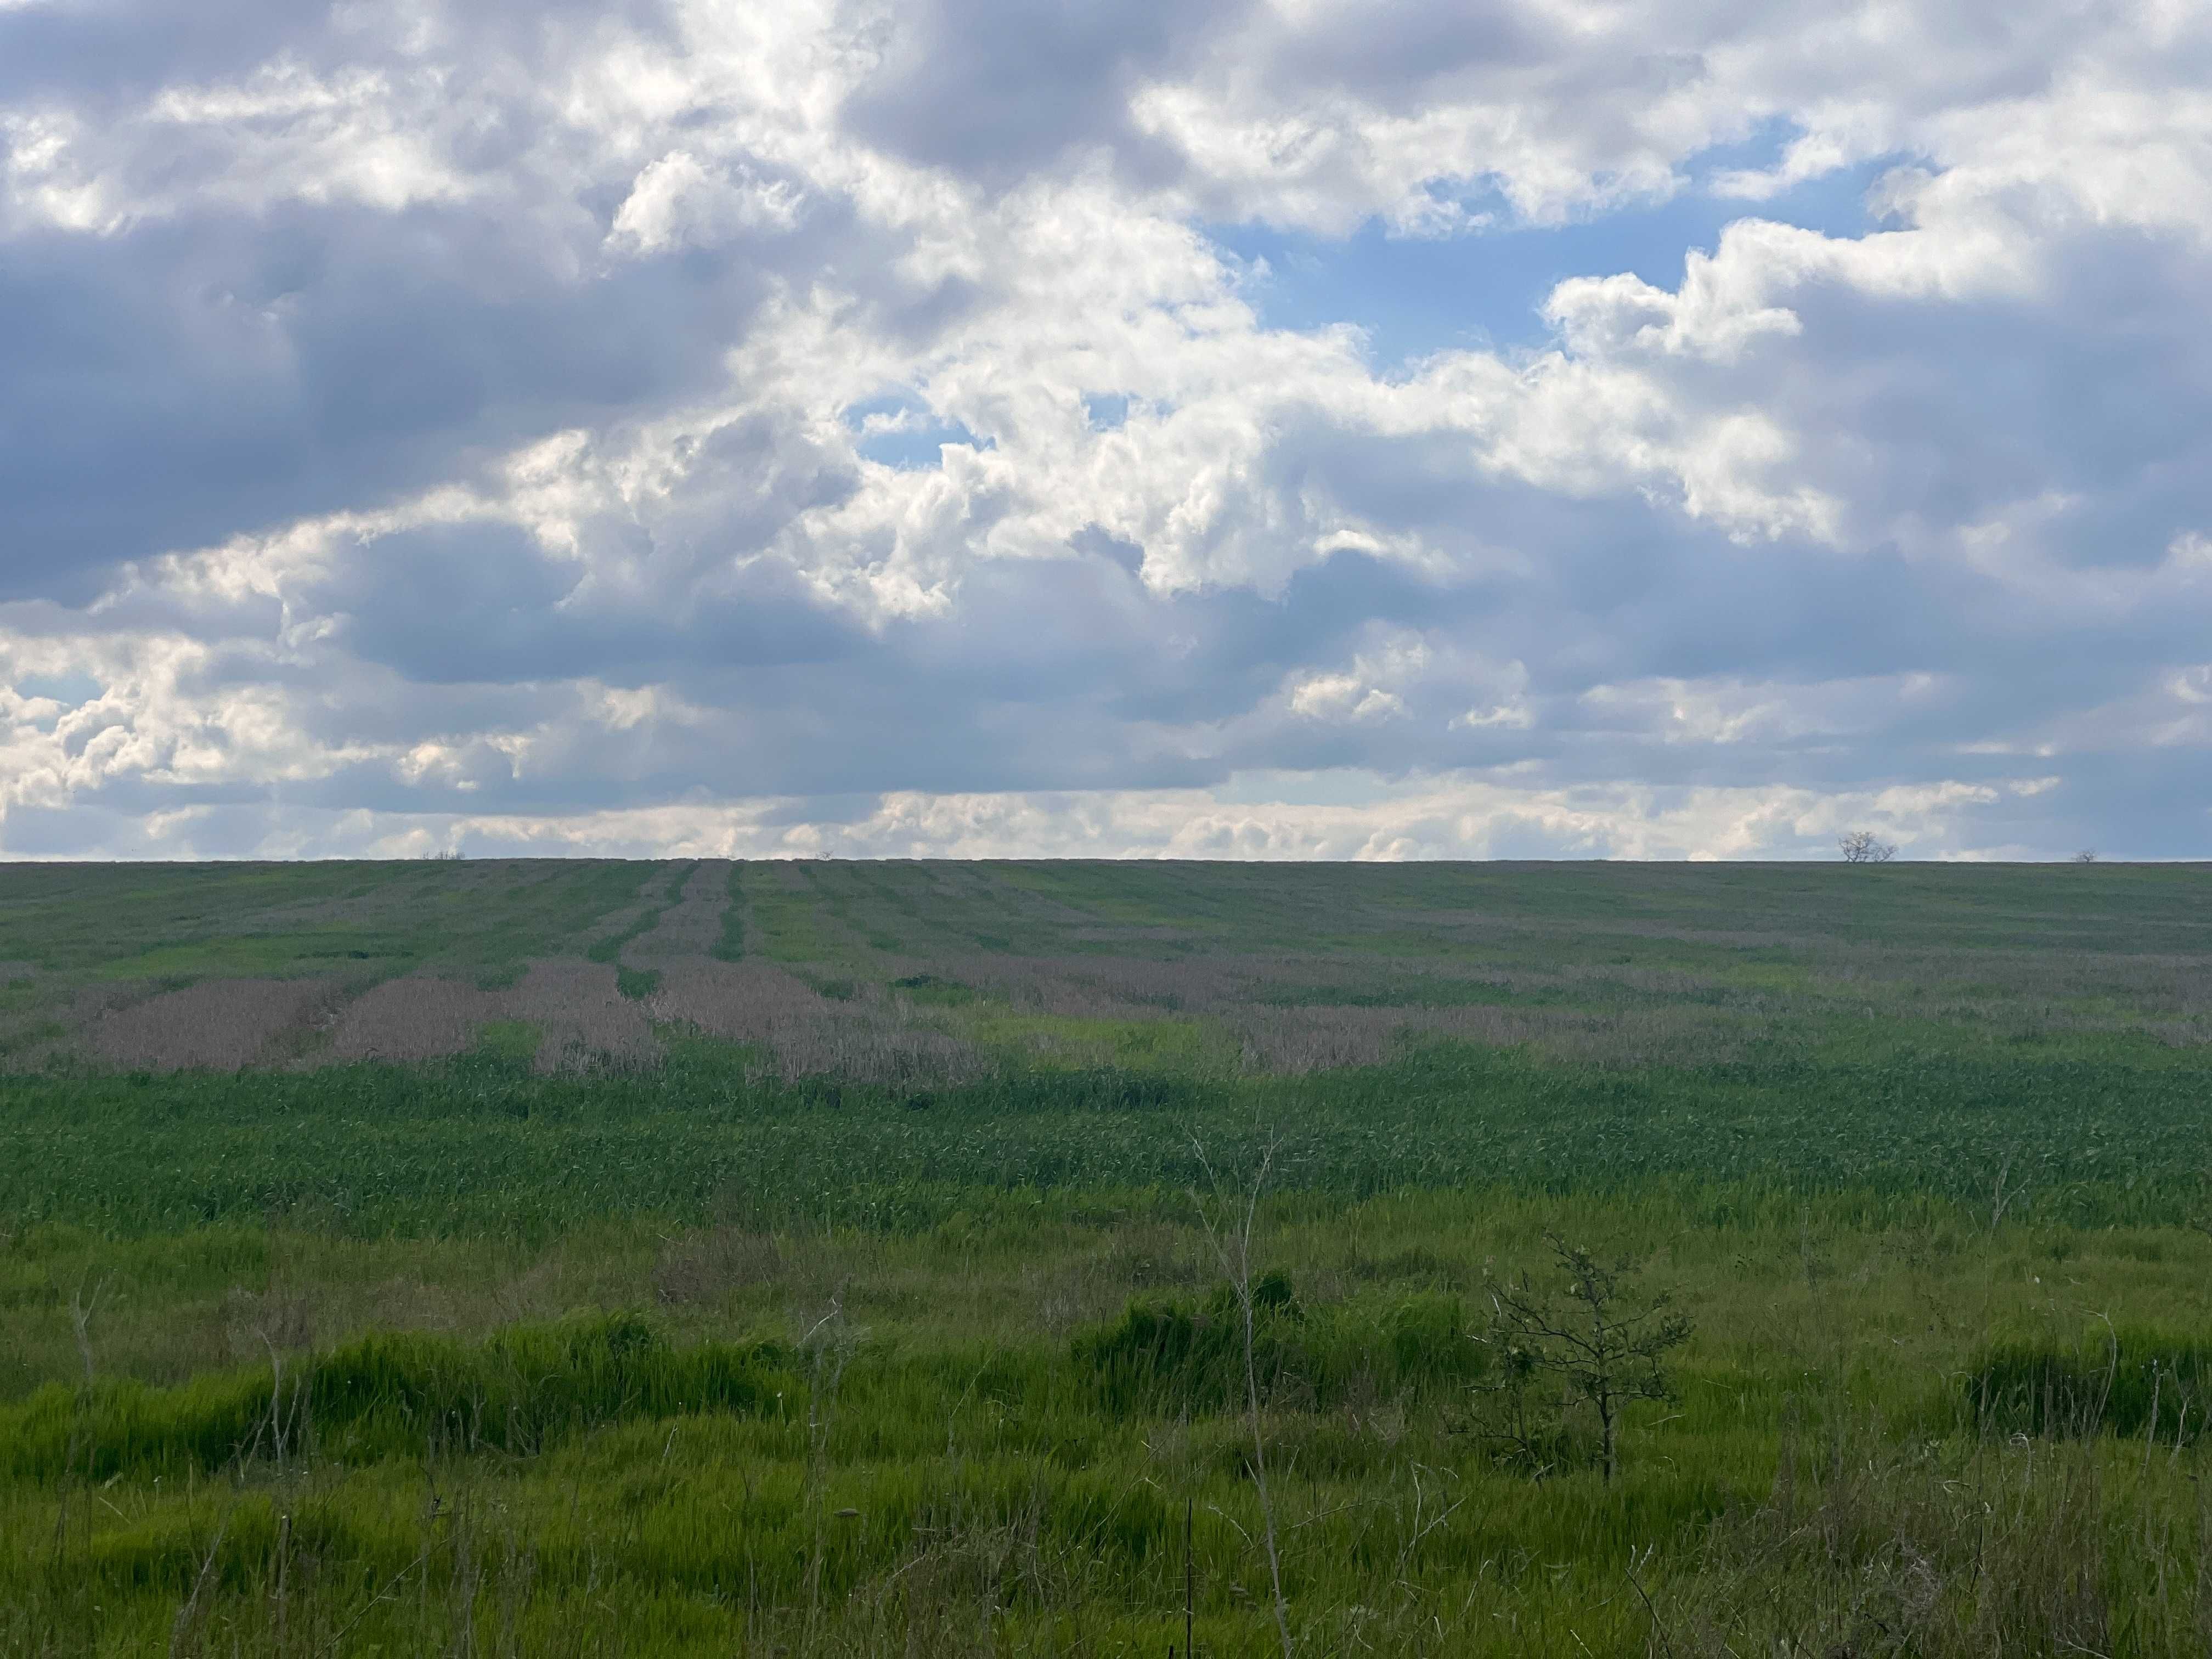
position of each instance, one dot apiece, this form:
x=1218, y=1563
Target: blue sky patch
x=1105, y=410
x=1413, y=296
x=901, y=431
x=71, y=690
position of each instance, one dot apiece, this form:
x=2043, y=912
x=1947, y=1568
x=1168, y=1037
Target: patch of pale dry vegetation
x=1139, y=1258
x=419, y=1018
x=277, y=1318
x=689, y=927
x=860, y=1038
x=219, y=1025
x=702, y=1269
x=584, y=1021
x=587, y=1023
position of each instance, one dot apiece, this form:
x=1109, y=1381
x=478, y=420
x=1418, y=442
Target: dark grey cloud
x=996, y=90
x=119, y=48
x=105, y=53
x=2098, y=384
x=487, y=604
x=184, y=382
x=1396, y=49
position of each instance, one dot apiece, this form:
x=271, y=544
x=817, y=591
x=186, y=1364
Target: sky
x=1267, y=428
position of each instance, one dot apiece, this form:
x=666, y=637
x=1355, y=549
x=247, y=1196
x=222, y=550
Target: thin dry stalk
x=826, y=1345
x=1232, y=1246
x=81, y=1311
x=184, y=1632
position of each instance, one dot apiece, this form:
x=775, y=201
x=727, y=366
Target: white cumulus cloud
x=843, y=427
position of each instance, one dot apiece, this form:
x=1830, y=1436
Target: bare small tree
x=1864, y=846
x=1604, y=1343
x=2087, y=856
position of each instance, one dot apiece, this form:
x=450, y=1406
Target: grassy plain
x=537, y=1257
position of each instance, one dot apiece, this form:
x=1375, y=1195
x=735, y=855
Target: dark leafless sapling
x=1602, y=1340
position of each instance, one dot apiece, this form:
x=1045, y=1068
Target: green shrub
x=1171, y=1356
x=932, y=991
x=396, y=1394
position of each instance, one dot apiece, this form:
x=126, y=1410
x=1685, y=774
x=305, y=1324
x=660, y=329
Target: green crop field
x=525, y=1257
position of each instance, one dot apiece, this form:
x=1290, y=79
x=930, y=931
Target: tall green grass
x=2131, y=1380
x=594, y=1484
x=482, y=1145
x=392, y=1394
x=1167, y=1356
x=731, y=946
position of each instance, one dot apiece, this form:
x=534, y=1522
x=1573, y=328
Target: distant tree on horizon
x=1864, y=846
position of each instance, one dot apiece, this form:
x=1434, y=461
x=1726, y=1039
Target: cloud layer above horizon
x=1276, y=428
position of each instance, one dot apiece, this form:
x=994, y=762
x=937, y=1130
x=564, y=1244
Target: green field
x=542, y=1256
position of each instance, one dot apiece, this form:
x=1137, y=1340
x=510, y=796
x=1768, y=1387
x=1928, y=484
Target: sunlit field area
x=562, y=1257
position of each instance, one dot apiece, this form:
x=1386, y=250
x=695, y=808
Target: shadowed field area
x=535, y=1256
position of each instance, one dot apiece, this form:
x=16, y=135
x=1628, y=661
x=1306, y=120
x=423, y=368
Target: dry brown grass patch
x=257, y=1321
x=219, y=1025
x=691, y=926
x=706, y=1268
x=861, y=1039
x=416, y=1018
x=585, y=1021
